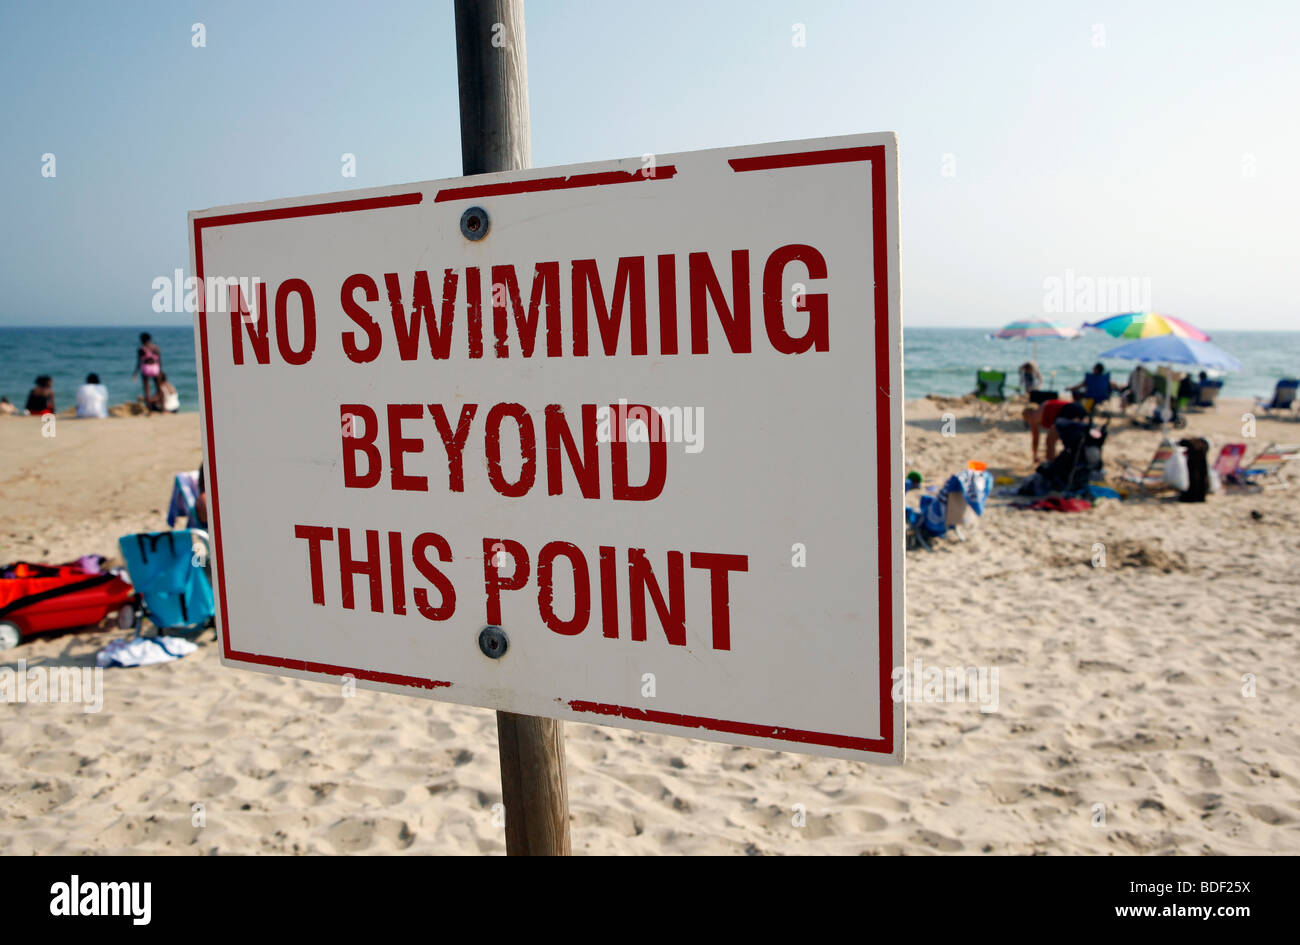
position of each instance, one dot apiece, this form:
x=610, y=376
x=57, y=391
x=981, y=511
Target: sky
x=1153, y=142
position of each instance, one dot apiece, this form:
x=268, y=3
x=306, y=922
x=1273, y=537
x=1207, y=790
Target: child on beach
x=148, y=364
x=167, y=400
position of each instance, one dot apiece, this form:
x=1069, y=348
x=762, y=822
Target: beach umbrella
x=1174, y=349
x=1034, y=330
x=1147, y=325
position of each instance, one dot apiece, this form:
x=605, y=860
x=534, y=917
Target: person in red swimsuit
x=1044, y=418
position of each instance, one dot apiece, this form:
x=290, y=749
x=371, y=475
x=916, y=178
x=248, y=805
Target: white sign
x=642, y=416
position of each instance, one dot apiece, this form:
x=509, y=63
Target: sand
x=1120, y=686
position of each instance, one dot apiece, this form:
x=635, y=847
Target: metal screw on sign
x=492, y=640
x=474, y=223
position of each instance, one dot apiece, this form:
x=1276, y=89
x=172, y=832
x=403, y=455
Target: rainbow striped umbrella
x=1147, y=325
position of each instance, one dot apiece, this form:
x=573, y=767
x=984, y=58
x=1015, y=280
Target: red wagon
x=35, y=598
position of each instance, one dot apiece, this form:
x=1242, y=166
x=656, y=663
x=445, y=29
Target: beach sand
x=1120, y=686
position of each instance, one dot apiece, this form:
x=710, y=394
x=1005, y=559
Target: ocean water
x=69, y=354
x=935, y=360
x=944, y=360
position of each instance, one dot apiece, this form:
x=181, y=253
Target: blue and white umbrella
x=1172, y=349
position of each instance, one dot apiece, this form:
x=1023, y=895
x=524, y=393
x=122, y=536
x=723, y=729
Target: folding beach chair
x=1151, y=480
x=1096, y=392
x=1207, y=395
x=1266, y=468
x=990, y=394
x=1228, y=464
x=1283, y=396
x=185, y=491
x=171, y=583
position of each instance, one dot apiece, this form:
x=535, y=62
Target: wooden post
x=492, y=67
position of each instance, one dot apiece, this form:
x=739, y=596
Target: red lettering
x=704, y=285
x=258, y=328
x=814, y=304
x=658, y=472
x=407, y=328
x=432, y=574
x=474, y=309
x=374, y=336
x=505, y=291
x=527, y=449
x=546, y=588
x=397, y=572
x=354, y=443
x=629, y=285
x=672, y=615
x=315, y=534
x=349, y=568
x=718, y=566
x=454, y=443
x=560, y=437
x=399, y=445
x=493, y=581
x=608, y=592
x=308, y=308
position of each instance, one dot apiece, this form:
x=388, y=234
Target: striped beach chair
x=1228, y=464
x=1267, y=467
x=1150, y=480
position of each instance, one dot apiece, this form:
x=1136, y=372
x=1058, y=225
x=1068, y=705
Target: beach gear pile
x=958, y=502
x=37, y=598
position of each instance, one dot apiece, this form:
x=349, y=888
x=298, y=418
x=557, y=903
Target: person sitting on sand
x=6, y=408
x=41, y=398
x=1141, y=385
x=92, y=398
x=1031, y=379
x=148, y=364
x=1043, y=417
x=168, y=400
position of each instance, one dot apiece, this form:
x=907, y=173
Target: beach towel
x=1057, y=504
x=143, y=651
x=185, y=493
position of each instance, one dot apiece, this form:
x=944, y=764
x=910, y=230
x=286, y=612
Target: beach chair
x=990, y=394
x=185, y=491
x=1150, y=480
x=1096, y=391
x=1267, y=467
x=1284, y=396
x=1228, y=464
x=1207, y=395
x=171, y=580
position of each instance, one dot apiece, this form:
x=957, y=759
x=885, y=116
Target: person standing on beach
x=41, y=398
x=148, y=364
x=1031, y=379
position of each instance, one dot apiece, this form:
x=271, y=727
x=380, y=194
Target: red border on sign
x=601, y=178
x=875, y=155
